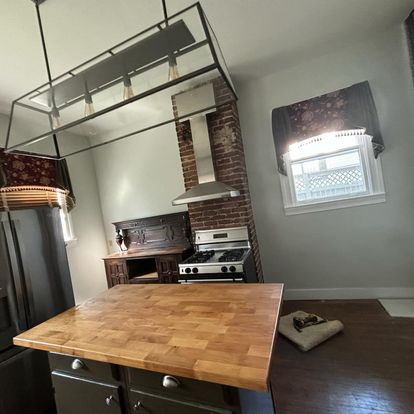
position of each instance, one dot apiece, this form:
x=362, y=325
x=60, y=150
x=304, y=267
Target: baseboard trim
x=350, y=293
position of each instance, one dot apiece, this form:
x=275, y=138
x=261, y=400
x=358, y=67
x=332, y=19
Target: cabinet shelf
x=149, y=277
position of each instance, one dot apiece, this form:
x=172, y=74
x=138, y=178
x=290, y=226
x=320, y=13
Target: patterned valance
x=409, y=25
x=20, y=170
x=348, y=108
x=24, y=179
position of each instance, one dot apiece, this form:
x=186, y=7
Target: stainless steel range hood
x=208, y=188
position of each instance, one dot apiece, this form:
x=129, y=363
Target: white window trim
x=375, y=183
x=67, y=226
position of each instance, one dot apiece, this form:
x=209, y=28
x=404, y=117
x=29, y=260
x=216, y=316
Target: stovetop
x=211, y=257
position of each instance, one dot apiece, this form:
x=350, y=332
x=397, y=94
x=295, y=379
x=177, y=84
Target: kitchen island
x=203, y=348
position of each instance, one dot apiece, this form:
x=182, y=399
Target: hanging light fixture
x=172, y=61
x=89, y=108
x=55, y=118
x=128, y=91
x=144, y=57
x=172, y=68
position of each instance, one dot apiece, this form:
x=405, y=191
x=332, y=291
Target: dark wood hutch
x=152, y=249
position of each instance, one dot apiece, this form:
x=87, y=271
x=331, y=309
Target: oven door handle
x=238, y=279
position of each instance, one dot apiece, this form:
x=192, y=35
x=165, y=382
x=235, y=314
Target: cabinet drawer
x=83, y=367
x=186, y=388
x=80, y=396
x=155, y=404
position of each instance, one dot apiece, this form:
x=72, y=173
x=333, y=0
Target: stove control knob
x=187, y=270
x=224, y=269
x=195, y=270
x=232, y=269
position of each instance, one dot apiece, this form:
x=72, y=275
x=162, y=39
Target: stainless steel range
x=222, y=255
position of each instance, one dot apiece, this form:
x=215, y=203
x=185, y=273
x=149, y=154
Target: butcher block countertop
x=221, y=333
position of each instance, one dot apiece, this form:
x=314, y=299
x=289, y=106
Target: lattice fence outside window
x=330, y=183
x=331, y=171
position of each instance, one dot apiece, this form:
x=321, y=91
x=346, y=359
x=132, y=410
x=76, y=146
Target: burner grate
x=200, y=257
x=233, y=255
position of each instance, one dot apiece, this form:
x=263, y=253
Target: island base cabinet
x=83, y=386
x=80, y=396
x=142, y=402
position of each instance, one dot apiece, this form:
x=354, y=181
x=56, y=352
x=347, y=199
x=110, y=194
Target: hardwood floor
x=368, y=368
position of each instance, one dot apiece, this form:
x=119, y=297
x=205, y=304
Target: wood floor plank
x=367, y=369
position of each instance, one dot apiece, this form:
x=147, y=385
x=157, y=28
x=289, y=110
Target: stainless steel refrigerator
x=35, y=285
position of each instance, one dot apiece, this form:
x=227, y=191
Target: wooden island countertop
x=220, y=333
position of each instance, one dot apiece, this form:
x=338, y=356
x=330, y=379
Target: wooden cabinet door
x=167, y=267
x=81, y=396
x=116, y=272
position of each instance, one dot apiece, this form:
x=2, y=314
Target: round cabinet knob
x=187, y=270
x=195, y=270
x=137, y=406
x=108, y=400
x=224, y=269
x=232, y=269
x=77, y=364
x=170, y=382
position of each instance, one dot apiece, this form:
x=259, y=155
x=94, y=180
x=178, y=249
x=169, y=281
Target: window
x=67, y=227
x=330, y=171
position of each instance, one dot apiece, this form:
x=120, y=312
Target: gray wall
x=365, y=251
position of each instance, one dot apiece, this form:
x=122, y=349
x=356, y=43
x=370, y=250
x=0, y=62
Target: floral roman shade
x=409, y=25
x=25, y=179
x=348, y=108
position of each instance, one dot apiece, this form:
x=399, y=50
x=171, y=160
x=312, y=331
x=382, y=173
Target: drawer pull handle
x=170, y=382
x=77, y=364
x=108, y=400
x=137, y=406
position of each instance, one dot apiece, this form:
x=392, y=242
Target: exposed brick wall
x=228, y=155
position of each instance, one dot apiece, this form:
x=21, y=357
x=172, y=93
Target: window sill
x=335, y=204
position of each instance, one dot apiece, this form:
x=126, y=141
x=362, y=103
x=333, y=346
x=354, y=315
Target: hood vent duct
x=207, y=188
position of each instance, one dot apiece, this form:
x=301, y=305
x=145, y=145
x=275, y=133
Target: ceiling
x=257, y=36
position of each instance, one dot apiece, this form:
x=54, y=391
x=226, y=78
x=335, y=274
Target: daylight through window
x=330, y=168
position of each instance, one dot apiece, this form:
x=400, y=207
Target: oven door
x=213, y=278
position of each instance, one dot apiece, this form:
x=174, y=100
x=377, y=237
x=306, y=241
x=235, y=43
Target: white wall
x=138, y=177
x=362, y=251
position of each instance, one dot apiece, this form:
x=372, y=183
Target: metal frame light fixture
x=183, y=40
